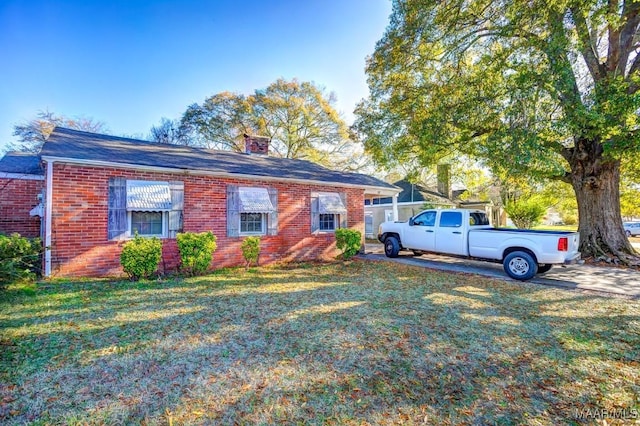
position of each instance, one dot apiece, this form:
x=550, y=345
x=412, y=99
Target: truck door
x=450, y=234
x=421, y=235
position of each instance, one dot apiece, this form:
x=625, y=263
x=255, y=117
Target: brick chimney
x=256, y=144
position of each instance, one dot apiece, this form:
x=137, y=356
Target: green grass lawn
x=353, y=343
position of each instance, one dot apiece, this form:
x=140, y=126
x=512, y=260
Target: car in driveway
x=631, y=228
x=467, y=233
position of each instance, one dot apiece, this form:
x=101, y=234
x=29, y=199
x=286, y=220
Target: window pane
x=451, y=219
x=251, y=223
x=146, y=223
x=327, y=222
x=477, y=219
x=425, y=219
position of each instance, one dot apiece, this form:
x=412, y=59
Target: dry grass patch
x=344, y=343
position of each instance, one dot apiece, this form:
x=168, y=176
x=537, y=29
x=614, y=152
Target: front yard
x=355, y=343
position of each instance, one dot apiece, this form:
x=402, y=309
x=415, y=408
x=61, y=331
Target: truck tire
x=520, y=265
x=391, y=247
x=544, y=268
x=418, y=252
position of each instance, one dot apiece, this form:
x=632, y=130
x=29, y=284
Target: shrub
x=196, y=251
x=570, y=219
x=251, y=250
x=19, y=258
x=348, y=241
x=525, y=214
x=141, y=256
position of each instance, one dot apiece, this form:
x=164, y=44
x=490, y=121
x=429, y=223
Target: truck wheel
x=544, y=268
x=418, y=252
x=520, y=265
x=391, y=247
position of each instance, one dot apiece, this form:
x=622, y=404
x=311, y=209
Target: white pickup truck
x=464, y=232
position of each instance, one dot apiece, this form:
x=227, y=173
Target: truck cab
x=443, y=231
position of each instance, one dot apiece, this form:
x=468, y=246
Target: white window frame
x=165, y=224
x=336, y=222
x=263, y=217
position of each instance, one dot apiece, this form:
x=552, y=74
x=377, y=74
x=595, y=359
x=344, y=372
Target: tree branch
x=588, y=45
x=627, y=35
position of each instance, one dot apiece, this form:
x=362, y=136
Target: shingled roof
x=418, y=193
x=94, y=148
x=25, y=163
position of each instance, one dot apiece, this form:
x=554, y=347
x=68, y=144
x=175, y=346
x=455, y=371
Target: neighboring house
x=21, y=185
x=100, y=190
x=413, y=199
x=410, y=201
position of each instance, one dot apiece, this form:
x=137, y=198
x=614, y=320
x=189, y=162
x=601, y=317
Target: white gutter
x=22, y=176
x=47, y=221
x=379, y=190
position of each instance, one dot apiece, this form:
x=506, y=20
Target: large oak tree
x=542, y=88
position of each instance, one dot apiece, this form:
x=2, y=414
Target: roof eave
x=368, y=188
x=21, y=176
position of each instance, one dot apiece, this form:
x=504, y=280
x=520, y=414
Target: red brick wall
x=17, y=198
x=79, y=230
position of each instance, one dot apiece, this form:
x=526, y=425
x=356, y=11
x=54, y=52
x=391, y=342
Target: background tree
x=544, y=89
x=220, y=121
x=299, y=117
x=32, y=134
x=171, y=132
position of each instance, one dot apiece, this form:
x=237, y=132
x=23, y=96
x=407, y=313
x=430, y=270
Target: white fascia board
x=376, y=190
x=408, y=204
x=21, y=176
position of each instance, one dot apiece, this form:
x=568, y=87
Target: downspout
x=47, y=220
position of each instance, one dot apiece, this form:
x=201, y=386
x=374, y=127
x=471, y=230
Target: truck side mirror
x=411, y=223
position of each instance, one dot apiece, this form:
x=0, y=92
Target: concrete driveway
x=610, y=280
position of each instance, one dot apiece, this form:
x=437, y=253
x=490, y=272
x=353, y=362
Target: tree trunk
x=597, y=186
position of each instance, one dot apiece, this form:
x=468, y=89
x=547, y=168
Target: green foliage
x=251, y=250
x=19, y=258
x=196, y=251
x=525, y=214
x=348, y=241
x=560, y=196
x=543, y=90
x=141, y=256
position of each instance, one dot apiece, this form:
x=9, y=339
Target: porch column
x=394, y=200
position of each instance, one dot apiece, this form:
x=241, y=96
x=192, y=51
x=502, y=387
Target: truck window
x=425, y=219
x=477, y=219
x=450, y=219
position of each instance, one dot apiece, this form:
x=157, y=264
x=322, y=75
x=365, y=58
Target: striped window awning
x=254, y=200
x=143, y=195
x=330, y=203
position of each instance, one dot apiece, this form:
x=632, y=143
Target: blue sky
x=129, y=63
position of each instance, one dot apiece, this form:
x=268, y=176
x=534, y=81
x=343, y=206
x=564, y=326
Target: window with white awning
x=251, y=211
x=328, y=211
x=149, y=208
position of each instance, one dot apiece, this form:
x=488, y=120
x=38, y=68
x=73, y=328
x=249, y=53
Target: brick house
x=21, y=186
x=100, y=189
